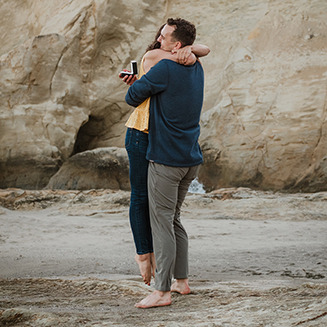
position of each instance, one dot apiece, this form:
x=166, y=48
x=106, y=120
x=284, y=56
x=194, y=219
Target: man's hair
x=185, y=32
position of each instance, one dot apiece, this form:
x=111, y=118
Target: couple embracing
x=164, y=155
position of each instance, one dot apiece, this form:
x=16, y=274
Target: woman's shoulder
x=158, y=54
x=152, y=57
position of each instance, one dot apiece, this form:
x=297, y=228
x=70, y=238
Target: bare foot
x=144, y=262
x=153, y=264
x=181, y=286
x=155, y=299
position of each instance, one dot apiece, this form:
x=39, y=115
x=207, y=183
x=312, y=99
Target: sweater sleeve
x=153, y=82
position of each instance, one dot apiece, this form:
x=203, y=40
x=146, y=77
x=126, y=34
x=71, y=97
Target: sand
x=256, y=259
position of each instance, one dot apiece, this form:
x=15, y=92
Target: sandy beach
x=256, y=259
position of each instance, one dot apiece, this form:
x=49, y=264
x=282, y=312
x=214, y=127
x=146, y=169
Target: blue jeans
x=136, y=144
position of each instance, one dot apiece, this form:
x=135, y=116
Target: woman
x=136, y=143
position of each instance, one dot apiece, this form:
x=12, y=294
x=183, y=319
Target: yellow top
x=139, y=119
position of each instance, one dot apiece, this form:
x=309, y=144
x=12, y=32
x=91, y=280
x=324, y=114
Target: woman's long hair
x=155, y=44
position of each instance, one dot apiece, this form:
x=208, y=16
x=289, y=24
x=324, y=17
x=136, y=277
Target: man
x=176, y=93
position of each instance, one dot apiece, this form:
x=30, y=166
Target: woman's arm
x=185, y=56
x=152, y=57
x=200, y=50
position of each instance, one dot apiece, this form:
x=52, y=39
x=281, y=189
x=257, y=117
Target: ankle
x=162, y=293
x=143, y=257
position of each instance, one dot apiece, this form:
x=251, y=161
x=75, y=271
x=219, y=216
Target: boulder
x=101, y=168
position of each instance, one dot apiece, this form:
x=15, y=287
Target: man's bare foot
x=153, y=264
x=155, y=299
x=181, y=286
x=144, y=262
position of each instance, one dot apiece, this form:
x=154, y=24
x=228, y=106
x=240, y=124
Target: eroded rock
x=264, y=121
x=94, y=169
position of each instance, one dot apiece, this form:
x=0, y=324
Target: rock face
x=264, y=121
x=268, y=127
x=60, y=91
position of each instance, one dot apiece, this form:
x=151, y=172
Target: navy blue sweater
x=176, y=93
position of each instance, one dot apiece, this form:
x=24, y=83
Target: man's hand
x=183, y=54
x=128, y=79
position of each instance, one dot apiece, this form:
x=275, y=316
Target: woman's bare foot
x=155, y=299
x=144, y=262
x=153, y=264
x=181, y=286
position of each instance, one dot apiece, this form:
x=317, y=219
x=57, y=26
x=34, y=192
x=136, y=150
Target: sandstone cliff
x=264, y=121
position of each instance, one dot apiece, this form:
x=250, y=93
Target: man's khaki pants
x=167, y=188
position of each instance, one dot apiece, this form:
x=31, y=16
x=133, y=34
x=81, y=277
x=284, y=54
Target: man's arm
x=155, y=81
x=151, y=58
x=185, y=56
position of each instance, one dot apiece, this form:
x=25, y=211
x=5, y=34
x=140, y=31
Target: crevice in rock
x=87, y=133
x=81, y=13
x=56, y=68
